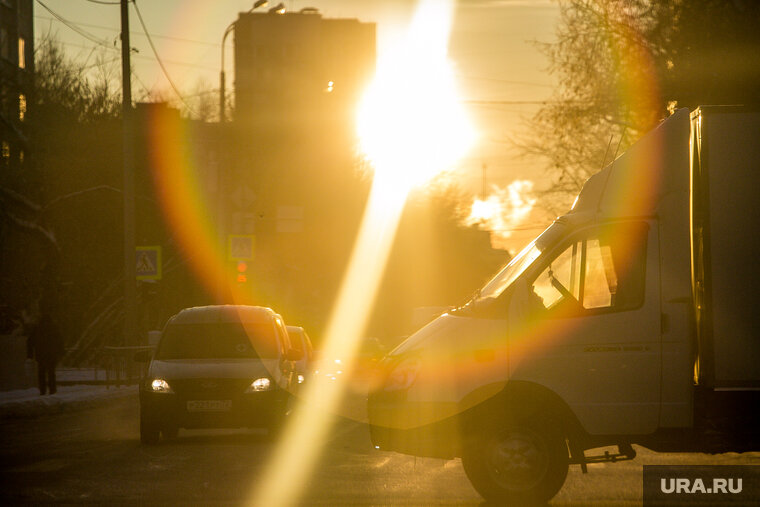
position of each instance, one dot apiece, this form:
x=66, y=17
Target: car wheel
x=518, y=464
x=149, y=432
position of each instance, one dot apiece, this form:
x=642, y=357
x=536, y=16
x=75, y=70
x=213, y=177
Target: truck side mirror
x=293, y=355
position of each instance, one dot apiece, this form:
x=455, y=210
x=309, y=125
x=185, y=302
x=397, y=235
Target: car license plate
x=209, y=405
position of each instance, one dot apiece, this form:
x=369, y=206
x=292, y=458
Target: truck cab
x=587, y=338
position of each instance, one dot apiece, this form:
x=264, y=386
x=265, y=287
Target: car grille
x=209, y=388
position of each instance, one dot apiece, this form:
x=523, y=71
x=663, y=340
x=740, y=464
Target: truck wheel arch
x=518, y=400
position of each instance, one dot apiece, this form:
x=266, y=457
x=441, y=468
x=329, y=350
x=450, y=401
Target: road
x=94, y=455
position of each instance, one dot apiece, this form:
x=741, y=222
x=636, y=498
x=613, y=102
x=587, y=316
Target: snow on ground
x=29, y=402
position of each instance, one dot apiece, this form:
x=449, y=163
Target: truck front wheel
x=517, y=464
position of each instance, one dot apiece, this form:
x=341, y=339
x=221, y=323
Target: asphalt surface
x=94, y=455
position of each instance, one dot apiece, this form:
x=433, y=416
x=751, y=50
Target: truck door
x=593, y=327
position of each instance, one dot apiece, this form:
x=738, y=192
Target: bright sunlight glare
x=412, y=126
x=484, y=210
x=411, y=122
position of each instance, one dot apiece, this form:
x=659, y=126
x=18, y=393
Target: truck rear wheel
x=517, y=464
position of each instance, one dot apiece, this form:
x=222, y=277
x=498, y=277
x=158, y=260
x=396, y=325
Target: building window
x=4, y=102
x=5, y=153
x=21, y=157
x=22, y=107
x=21, y=53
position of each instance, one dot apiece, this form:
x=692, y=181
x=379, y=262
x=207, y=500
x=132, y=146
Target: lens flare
x=411, y=126
x=176, y=174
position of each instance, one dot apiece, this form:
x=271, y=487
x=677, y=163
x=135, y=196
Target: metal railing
x=120, y=365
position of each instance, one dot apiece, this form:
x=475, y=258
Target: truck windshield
x=218, y=340
x=521, y=261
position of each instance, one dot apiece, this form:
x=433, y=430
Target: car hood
x=446, y=334
x=214, y=368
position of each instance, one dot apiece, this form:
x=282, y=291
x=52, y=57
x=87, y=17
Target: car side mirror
x=293, y=355
x=143, y=356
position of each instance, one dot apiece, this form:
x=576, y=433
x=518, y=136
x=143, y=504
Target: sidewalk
x=75, y=391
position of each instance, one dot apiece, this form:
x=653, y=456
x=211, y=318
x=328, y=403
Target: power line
x=102, y=2
x=116, y=30
x=507, y=81
x=87, y=35
x=139, y=57
x=100, y=42
x=175, y=62
x=137, y=77
x=509, y=102
x=158, y=58
x=99, y=63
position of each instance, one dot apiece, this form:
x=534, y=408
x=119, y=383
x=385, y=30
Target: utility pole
x=130, y=278
x=222, y=98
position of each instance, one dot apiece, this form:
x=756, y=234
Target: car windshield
x=218, y=340
x=509, y=273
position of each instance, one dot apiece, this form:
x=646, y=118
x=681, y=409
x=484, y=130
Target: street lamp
x=278, y=9
x=227, y=31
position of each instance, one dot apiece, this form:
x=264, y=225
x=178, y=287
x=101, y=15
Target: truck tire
x=149, y=432
x=516, y=464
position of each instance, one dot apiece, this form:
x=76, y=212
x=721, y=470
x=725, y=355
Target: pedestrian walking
x=45, y=345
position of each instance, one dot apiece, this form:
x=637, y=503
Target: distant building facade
x=22, y=248
x=298, y=80
x=291, y=170
x=296, y=67
x=16, y=81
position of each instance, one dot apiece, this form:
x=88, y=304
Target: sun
x=411, y=121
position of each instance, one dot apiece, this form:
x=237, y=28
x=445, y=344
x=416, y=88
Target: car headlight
x=260, y=384
x=403, y=375
x=159, y=385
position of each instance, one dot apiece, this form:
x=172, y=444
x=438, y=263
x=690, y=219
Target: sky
x=491, y=47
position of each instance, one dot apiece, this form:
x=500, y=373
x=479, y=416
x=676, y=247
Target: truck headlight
x=259, y=385
x=159, y=385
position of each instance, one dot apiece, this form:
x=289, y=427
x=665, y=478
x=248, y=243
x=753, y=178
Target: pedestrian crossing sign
x=241, y=247
x=148, y=262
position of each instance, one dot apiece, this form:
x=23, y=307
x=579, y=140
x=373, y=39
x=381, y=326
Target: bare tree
x=71, y=118
x=623, y=65
x=607, y=60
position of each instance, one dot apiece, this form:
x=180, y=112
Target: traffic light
x=242, y=269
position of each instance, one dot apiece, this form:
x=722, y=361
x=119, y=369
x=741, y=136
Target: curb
x=52, y=404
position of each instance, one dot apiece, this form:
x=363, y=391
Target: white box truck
x=632, y=319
